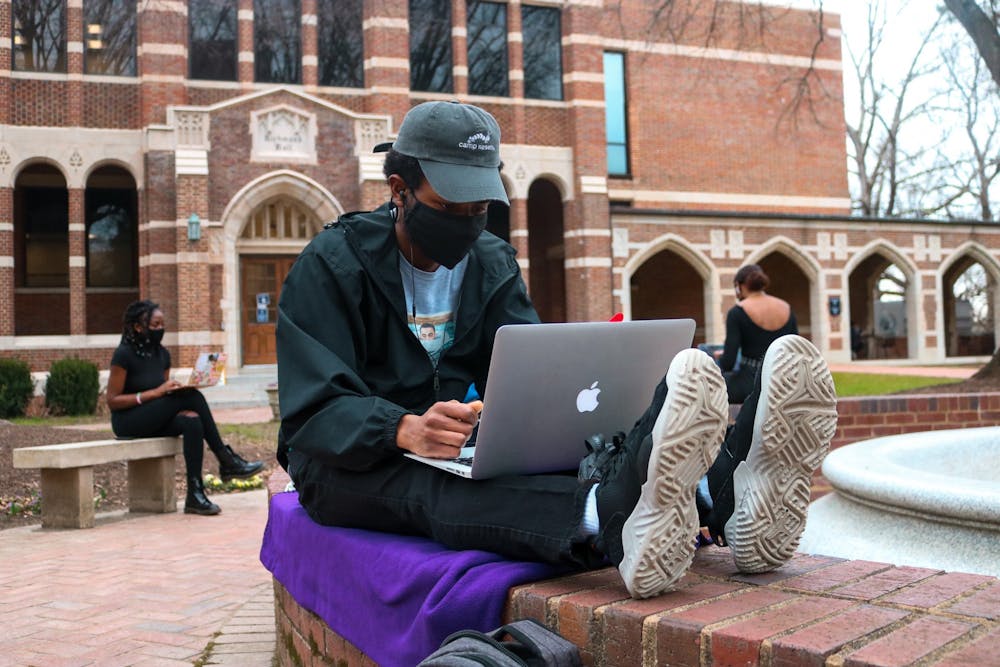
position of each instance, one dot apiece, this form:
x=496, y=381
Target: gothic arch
x=283, y=183
x=711, y=297
x=977, y=253
x=917, y=326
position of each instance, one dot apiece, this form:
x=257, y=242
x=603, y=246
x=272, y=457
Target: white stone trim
x=165, y=6
x=593, y=185
x=310, y=61
x=162, y=224
x=309, y=19
x=515, y=37
x=387, y=63
x=731, y=198
x=460, y=70
x=77, y=262
x=580, y=233
x=163, y=49
x=164, y=78
x=6, y=262
x=370, y=168
x=459, y=31
x=194, y=258
x=60, y=342
x=245, y=57
x=664, y=49
x=157, y=258
x=74, y=47
x=588, y=263
x=77, y=227
x=584, y=77
x=244, y=15
x=193, y=338
x=6, y=226
x=191, y=162
x=385, y=22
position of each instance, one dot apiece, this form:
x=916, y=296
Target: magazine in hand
x=208, y=370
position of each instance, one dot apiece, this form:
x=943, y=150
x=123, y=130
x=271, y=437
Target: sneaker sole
x=795, y=421
x=659, y=536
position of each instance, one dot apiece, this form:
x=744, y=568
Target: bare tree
x=881, y=165
x=980, y=20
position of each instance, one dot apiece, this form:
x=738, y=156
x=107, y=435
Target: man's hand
x=441, y=432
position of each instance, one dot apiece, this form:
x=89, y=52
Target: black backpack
x=531, y=644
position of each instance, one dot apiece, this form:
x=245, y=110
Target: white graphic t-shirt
x=433, y=296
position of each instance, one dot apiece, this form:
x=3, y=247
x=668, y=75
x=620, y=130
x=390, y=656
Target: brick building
x=187, y=151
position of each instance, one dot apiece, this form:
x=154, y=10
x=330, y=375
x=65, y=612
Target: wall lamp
x=194, y=227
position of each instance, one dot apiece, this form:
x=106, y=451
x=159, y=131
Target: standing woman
x=756, y=321
x=145, y=402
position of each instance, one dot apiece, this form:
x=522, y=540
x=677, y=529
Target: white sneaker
x=658, y=536
x=795, y=421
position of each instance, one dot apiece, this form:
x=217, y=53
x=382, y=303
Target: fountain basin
x=929, y=499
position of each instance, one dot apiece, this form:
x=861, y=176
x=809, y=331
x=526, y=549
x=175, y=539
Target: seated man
x=361, y=383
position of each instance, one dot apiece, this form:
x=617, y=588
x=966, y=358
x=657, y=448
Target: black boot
x=233, y=466
x=197, y=502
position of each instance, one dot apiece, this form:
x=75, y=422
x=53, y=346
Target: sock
x=591, y=523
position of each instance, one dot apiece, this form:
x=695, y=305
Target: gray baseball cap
x=458, y=148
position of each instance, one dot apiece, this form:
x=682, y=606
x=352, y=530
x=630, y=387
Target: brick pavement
x=151, y=590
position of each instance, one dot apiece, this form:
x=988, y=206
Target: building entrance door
x=261, y=280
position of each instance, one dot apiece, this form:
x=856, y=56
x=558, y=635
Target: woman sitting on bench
x=145, y=402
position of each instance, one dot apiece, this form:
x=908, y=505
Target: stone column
x=244, y=42
x=387, y=58
x=77, y=263
x=310, y=44
x=587, y=219
x=161, y=29
x=6, y=261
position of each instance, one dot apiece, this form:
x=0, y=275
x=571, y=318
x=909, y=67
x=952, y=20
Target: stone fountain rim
x=869, y=471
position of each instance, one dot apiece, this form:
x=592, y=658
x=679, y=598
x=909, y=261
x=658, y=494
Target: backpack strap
x=547, y=647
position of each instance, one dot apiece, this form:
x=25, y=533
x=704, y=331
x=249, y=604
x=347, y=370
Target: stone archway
x=266, y=226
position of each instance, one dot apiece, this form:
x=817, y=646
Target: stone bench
x=68, y=476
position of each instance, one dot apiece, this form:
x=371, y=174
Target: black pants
x=526, y=517
x=160, y=417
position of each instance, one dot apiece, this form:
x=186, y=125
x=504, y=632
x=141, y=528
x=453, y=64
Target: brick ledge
x=815, y=610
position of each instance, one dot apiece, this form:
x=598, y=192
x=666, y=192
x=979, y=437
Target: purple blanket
x=393, y=597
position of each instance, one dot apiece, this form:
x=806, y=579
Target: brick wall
x=862, y=418
x=814, y=610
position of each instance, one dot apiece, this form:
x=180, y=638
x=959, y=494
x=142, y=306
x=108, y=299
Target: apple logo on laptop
x=586, y=400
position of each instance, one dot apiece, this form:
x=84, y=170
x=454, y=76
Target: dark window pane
x=341, y=50
x=486, y=26
x=430, y=45
x=111, y=238
x=45, y=225
x=109, y=37
x=541, y=31
x=212, y=47
x=39, y=37
x=277, y=38
x=615, y=110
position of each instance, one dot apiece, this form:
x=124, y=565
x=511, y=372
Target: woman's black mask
x=443, y=237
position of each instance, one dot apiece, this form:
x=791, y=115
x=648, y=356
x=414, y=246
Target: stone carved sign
x=283, y=134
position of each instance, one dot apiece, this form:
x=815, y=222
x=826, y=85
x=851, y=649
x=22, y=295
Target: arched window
x=112, y=227
x=41, y=252
x=41, y=213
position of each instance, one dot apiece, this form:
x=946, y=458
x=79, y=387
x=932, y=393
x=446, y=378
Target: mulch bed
x=20, y=488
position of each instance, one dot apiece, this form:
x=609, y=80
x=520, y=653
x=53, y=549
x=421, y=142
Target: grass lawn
x=871, y=384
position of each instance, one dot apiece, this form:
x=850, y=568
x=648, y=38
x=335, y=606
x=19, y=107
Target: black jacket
x=349, y=367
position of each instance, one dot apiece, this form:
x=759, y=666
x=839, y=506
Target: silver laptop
x=551, y=386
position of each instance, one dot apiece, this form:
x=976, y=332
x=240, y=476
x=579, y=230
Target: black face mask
x=155, y=336
x=443, y=237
